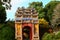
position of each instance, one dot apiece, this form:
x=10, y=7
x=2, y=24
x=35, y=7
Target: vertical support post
x=36, y=31
x=18, y=31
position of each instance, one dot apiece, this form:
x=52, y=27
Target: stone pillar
x=18, y=31
x=36, y=31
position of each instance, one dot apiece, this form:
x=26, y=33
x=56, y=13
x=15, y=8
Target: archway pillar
x=18, y=31
x=36, y=31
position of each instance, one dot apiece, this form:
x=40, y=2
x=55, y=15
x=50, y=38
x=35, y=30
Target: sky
x=21, y=3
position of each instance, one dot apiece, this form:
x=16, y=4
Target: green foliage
x=54, y=0
x=47, y=37
x=8, y=4
x=49, y=9
x=7, y=31
x=2, y=14
x=11, y=23
x=53, y=36
x=43, y=23
x=39, y=8
x=45, y=12
x=57, y=35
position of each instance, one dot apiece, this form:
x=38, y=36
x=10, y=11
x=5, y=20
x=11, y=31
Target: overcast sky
x=20, y=3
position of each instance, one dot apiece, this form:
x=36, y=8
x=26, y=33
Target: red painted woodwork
x=29, y=25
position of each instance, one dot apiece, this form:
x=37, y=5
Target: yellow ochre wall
x=37, y=27
x=18, y=29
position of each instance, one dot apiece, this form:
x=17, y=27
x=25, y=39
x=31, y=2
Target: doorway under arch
x=27, y=33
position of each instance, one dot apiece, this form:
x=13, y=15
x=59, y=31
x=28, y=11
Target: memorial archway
x=26, y=24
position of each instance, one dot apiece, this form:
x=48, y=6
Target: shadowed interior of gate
x=26, y=33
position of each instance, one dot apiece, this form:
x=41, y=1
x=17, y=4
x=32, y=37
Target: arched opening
x=27, y=33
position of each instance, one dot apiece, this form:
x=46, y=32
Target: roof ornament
x=32, y=10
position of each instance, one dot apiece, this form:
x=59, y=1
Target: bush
x=53, y=36
x=7, y=32
x=47, y=36
x=57, y=36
